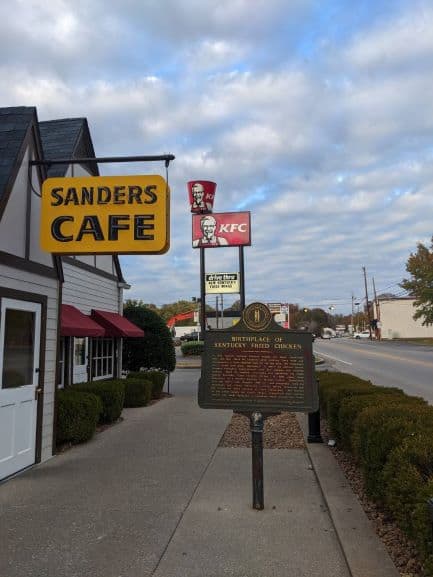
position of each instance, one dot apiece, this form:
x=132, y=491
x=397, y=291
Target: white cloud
x=331, y=153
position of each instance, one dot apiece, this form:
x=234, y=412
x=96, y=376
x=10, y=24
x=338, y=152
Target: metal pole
x=368, y=306
x=202, y=293
x=256, y=427
x=222, y=312
x=314, y=435
x=242, y=277
x=217, y=311
x=152, y=158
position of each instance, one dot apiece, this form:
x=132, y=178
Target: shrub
x=77, y=416
x=192, y=348
x=408, y=477
x=378, y=430
x=112, y=395
x=334, y=397
x=156, y=348
x=138, y=392
x=328, y=380
x=351, y=407
x=157, y=379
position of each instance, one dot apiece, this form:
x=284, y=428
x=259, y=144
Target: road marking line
x=334, y=358
x=371, y=353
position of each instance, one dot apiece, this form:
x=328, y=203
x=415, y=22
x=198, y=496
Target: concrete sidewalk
x=154, y=495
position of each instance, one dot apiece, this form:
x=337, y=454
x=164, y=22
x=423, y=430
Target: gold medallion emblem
x=257, y=317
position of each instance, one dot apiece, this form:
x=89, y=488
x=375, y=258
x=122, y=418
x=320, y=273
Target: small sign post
x=258, y=368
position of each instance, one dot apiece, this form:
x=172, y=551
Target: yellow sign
x=105, y=215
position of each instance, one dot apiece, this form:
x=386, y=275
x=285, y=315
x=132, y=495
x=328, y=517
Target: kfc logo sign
x=221, y=229
x=201, y=195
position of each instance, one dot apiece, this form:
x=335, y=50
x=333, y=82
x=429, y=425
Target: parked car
x=363, y=334
x=192, y=336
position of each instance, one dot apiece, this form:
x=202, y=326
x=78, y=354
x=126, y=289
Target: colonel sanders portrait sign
x=221, y=229
x=201, y=195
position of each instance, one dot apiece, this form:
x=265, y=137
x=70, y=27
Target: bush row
x=83, y=406
x=192, y=348
x=390, y=435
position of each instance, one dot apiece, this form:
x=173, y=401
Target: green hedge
x=77, y=416
x=157, y=379
x=138, y=392
x=408, y=476
x=352, y=406
x=112, y=395
x=390, y=434
x=379, y=430
x=333, y=397
x=192, y=348
x=329, y=380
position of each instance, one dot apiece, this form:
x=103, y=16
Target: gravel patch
x=280, y=432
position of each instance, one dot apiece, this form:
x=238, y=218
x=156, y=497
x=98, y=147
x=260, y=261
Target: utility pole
x=368, y=305
x=376, y=300
x=351, y=316
x=217, y=312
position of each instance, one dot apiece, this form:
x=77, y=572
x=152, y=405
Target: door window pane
x=18, y=353
x=80, y=351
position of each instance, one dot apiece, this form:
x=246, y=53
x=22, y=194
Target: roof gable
x=14, y=126
x=66, y=138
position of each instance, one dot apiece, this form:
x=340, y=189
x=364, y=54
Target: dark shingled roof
x=66, y=138
x=14, y=124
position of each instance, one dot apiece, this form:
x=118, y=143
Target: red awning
x=115, y=325
x=73, y=323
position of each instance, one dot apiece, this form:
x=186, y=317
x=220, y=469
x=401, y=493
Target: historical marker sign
x=258, y=366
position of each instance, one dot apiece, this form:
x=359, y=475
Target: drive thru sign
x=105, y=215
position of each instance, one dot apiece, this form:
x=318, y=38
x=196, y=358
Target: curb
x=365, y=554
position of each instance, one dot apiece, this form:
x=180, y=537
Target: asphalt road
x=392, y=364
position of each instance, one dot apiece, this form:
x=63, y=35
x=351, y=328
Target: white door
x=20, y=333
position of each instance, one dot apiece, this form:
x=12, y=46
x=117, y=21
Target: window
x=18, y=352
x=79, y=351
x=102, y=358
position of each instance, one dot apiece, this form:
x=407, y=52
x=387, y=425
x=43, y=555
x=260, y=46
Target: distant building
x=396, y=320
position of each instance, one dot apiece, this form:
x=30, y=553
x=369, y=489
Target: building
x=395, y=316
x=60, y=317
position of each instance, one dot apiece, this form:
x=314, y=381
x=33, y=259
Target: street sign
x=258, y=366
x=105, y=215
x=275, y=308
x=222, y=282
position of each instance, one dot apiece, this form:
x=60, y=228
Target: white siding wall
x=13, y=223
x=35, y=252
x=87, y=291
x=38, y=285
x=397, y=320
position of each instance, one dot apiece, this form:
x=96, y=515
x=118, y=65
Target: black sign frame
x=258, y=340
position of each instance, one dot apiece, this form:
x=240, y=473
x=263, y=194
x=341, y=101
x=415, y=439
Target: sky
x=315, y=116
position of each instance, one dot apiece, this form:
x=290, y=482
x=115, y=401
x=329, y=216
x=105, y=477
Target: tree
x=153, y=351
x=312, y=319
x=420, y=283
